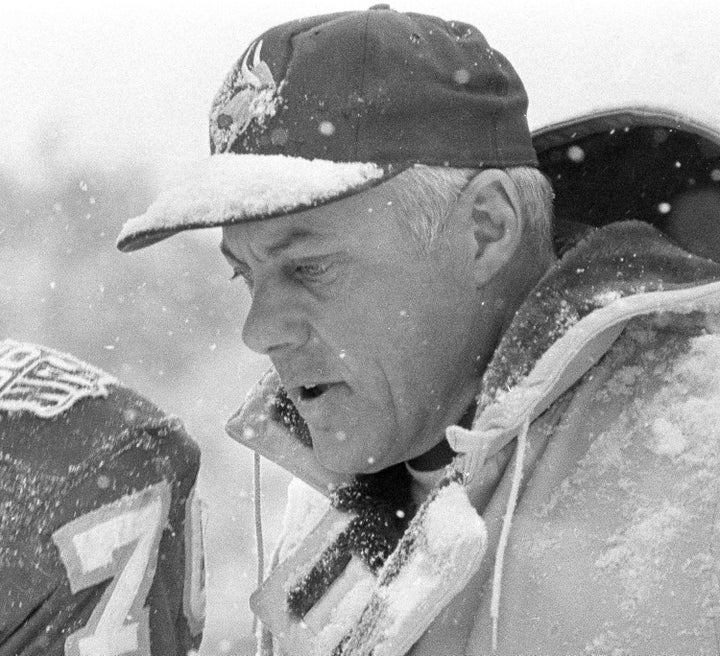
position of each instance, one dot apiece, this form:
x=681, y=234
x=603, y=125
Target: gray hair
x=427, y=194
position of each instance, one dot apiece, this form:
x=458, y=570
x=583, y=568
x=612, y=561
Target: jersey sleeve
x=101, y=548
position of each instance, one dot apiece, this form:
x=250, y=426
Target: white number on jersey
x=119, y=541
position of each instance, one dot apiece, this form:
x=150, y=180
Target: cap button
x=379, y=7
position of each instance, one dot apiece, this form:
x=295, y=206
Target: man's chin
x=354, y=471
x=341, y=460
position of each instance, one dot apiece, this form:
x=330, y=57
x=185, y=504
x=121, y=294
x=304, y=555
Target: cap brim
x=618, y=118
x=228, y=189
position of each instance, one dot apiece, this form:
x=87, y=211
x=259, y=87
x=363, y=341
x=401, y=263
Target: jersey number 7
x=118, y=541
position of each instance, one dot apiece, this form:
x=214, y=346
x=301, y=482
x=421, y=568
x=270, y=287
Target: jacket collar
x=573, y=316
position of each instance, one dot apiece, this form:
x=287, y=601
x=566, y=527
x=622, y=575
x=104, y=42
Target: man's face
x=374, y=338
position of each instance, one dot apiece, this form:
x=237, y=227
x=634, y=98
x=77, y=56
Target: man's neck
x=441, y=454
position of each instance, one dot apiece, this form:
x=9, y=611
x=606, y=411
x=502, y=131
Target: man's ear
x=490, y=202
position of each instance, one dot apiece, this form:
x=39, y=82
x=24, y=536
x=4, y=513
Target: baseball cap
x=321, y=108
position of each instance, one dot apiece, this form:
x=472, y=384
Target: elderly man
x=509, y=453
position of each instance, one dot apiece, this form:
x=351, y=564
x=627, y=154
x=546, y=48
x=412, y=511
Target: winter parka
x=591, y=471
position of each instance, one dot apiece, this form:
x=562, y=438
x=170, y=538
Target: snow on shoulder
x=230, y=188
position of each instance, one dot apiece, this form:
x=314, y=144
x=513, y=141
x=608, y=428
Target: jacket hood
x=621, y=260
x=626, y=162
x=573, y=316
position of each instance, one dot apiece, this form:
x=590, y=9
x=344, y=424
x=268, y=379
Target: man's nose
x=276, y=320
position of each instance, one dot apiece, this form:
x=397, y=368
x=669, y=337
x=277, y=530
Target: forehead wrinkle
x=296, y=234
x=278, y=243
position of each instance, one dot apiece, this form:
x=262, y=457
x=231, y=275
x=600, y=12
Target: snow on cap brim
x=229, y=188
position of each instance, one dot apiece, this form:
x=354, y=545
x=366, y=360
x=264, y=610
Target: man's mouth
x=308, y=393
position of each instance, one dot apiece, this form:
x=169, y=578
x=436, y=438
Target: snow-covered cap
x=321, y=108
x=626, y=162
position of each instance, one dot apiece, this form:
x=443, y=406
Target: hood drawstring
x=504, y=534
x=257, y=491
x=263, y=636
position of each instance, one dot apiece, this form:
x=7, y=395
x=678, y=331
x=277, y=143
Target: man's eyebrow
x=288, y=241
x=296, y=235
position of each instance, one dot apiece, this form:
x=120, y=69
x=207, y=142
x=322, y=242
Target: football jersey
x=100, y=530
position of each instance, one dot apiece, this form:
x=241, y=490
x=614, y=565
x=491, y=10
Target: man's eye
x=312, y=270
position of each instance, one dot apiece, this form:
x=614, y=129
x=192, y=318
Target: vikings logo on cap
x=45, y=382
x=249, y=94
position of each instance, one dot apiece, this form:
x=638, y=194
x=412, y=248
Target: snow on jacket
x=609, y=379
